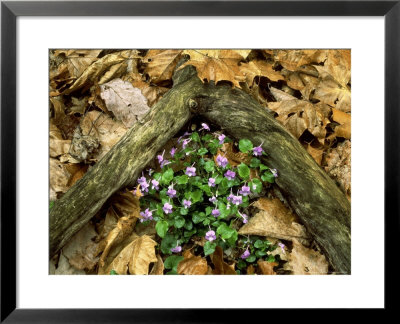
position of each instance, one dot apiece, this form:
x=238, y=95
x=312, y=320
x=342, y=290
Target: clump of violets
x=210, y=236
x=187, y=203
x=167, y=208
x=230, y=175
x=222, y=161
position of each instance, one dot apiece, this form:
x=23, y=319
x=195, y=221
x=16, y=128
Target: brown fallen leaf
x=65, y=268
x=280, y=95
x=266, y=268
x=58, y=146
x=160, y=64
x=220, y=266
x=344, y=119
x=78, y=61
x=59, y=177
x=339, y=165
x=81, y=250
x=158, y=267
x=292, y=60
x=217, y=65
x=126, y=102
x=77, y=171
x=135, y=257
x=274, y=220
x=316, y=153
x=192, y=265
x=152, y=93
x=304, y=261
x=261, y=69
x=299, y=115
x=250, y=270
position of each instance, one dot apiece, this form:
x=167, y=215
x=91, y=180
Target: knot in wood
x=192, y=104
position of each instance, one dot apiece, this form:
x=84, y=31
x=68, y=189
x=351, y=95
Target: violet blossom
x=180, y=138
x=144, y=187
x=155, y=184
x=210, y=236
x=186, y=142
x=211, y=182
x=230, y=175
x=282, y=246
x=215, y=212
x=171, y=192
x=221, y=139
x=147, y=215
x=257, y=151
x=213, y=199
x=244, y=216
x=237, y=200
x=167, y=208
x=176, y=249
x=190, y=171
x=245, y=191
x=204, y=126
x=160, y=158
x=173, y=151
x=274, y=172
x=187, y=203
x=230, y=197
x=222, y=161
x=245, y=254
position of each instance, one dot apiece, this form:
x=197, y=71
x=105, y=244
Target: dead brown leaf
x=274, y=220
x=220, y=266
x=78, y=61
x=344, y=119
x=266, y=268
x=158, y=267
x=59, y=177
x=152, y=93
x=304, y=261
x=192, y=265
x=217, y=65
x=160, y=64
x=292, y=60
x=316, y=153
x=261, y=69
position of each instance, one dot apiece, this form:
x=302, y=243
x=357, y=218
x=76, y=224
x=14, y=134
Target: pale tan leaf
x=280, y=95
x=261, y=69
x=152, y=93
x=304, y=261
x=292, y=60
x=158, y=267
x=192, y=265
x=142, y=255
x=274, y=220
x=330, y=92
x=316, y=153
x=59, y=177
x=126, y=102
x=344, y=119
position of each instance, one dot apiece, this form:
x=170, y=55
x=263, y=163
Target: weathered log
x=317, y=200
x=123, y=163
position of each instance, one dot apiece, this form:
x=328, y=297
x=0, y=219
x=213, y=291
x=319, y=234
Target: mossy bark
x=314, y=196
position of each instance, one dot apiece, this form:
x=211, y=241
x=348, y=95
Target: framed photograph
x=201, y=138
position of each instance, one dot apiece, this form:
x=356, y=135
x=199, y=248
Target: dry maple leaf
x=160, y=64
x=293, y=59
x=220, y=266
x=304, y=261
x=192, y=265
x=217, y=65
x=135, y=257
x=274, y=220
x=152, y=93
x=339, y=165
x=158, y=267
x=126, y=102
x=259, y=68
x=266, y=268
x=299, y=115
x=344, y=119
x=59, y=177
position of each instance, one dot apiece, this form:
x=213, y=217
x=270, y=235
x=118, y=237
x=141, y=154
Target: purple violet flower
x=215, y=212
x=164, y=163
x=171, y=192
x=155, y=184
x=204, y=126
x=221, y=139
x=150, y=172
x=222, y=161
x=282, y=246
x=245, y=254
x=141, y=179
x=180, y=138
x=176, y=249
x=257, y=151
x=147, y=215
x=275, y=172
x=187, y=203
x=186, y=142
x=245, y=191
x=230, y=197
x=210, y=236
x=173, y=151
x=167, y=208
x=237, y=200
x=244, y=216
x=190, y=171
x=160, y=158
x=144, y=187
x=213, y=199
x=230, y=175
x=211, y=182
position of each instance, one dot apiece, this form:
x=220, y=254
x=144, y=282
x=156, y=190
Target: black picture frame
x=11, y=10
